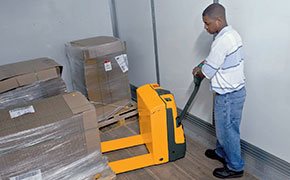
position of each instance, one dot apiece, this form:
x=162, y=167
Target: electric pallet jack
x=161, y=130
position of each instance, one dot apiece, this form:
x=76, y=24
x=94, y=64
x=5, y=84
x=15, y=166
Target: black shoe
x=225, y=172
x=210, y=153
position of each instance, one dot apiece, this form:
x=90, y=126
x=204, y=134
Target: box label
x=108, y=65
x=14, y=113
x=122, y=60
x=31, y=175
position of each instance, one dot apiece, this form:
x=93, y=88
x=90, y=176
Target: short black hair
x=214, y=11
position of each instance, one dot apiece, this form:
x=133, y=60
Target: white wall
x=31, y=29
x=135, y=27
x=265, y=29
x=183, y=43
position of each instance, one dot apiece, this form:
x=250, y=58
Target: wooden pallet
x=121, y=115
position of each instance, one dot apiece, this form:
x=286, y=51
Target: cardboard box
x=54, y=138
x=38, y=90
x=99, y=68
x=27, y=72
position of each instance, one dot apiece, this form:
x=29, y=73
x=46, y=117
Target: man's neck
x=223, y=26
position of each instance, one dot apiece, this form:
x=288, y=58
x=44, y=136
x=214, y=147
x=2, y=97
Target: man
x=224, y=67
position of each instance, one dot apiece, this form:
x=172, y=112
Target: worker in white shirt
x=224, y=67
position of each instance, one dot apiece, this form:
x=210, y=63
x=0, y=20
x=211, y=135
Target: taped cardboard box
x=53, y=138
x=27, y=72
x=26, y=81
x=99, y=69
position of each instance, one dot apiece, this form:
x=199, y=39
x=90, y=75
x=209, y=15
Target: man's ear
x=219, y=22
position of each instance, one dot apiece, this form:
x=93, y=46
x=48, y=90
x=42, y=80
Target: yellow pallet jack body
x=161, y=131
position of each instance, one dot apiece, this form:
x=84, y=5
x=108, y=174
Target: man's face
x=210, y=25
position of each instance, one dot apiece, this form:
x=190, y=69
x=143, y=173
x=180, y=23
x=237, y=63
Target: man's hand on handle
x=197, y=71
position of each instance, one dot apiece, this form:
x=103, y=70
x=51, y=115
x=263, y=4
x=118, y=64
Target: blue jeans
x=228, y=113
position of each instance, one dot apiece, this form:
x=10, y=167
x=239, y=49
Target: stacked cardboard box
x=53, y=138
x=29, y=80
x=99, y=69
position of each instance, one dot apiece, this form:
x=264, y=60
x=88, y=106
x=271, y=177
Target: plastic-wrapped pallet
x=29, y=80
x=53, y=138
x=99, y=69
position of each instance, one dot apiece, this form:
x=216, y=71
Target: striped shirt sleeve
x=215, y=58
